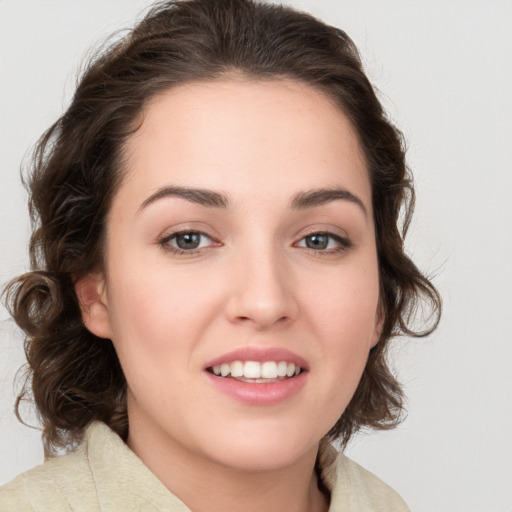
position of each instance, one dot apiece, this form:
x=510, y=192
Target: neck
x=292, y=488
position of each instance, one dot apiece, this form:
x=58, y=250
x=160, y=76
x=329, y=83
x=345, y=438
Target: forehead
x=239, y=135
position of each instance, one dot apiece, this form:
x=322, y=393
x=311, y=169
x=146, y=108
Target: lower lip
x=259, y=394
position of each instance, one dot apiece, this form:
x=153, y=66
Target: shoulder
x=370, y=491
x=355, y=488
x=102, y=474
x=47, y=487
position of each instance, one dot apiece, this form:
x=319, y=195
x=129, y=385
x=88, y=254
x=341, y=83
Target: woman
x=217, y=271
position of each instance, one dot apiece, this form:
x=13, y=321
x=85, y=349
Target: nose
x=262, y=291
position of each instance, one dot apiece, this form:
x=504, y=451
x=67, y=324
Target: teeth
x=269, y=370
x=237, y=369
x=252, y=370
x=224, y=369
x=281, y=368
x=256, y=370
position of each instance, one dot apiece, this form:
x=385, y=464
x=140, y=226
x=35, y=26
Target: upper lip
x=260, y=355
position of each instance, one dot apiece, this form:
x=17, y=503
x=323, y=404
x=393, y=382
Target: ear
x=380, y=315
x=91, y=292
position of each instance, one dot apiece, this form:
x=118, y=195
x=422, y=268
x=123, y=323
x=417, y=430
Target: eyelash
x=344, y=244
x=165, y=242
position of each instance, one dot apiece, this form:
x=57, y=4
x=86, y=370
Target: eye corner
x=187, y=242
x=324, y=242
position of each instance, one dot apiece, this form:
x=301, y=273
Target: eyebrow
x=321, y=196
x=211, y=199
x=203, y=197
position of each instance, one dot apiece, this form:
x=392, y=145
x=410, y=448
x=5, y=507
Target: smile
x=258, y=376
x=255, y=371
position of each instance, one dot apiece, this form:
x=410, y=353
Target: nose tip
x=262, y=317
x=262, y=295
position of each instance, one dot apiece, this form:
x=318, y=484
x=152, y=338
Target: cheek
x=344, y=318
x=155, y=327
x=344, y=306
x=155, y=311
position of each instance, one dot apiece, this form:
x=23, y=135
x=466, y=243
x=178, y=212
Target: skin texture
x=253, y=282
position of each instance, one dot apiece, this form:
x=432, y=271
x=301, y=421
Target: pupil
x=317, y=241
x=188, y=240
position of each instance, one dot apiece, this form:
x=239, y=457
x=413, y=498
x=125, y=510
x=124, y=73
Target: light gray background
x=445, y=73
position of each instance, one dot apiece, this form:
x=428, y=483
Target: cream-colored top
x=104, y=475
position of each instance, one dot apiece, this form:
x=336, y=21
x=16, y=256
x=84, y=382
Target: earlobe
x=376, y=338
x=91, y=293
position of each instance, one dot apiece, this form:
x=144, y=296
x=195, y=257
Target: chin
x=261, y=450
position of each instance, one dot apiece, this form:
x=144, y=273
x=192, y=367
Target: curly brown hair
x=73, y=376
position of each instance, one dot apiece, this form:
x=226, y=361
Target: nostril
x=263, y=302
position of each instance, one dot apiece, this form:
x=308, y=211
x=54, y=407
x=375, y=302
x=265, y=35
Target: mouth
x=256, y=372
x=258, y=376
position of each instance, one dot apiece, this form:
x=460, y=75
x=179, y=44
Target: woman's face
x=241, y=240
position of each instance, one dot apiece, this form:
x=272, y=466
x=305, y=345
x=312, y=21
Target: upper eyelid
x=326, y=230
x=337, y=234
x=164, y=242
x=341, y=238
x=170, y=236
x=185, y=231
x=314, y=231
x=172, y=232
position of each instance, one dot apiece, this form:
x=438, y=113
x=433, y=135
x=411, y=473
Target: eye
x=186, y=241
x=325, y=242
